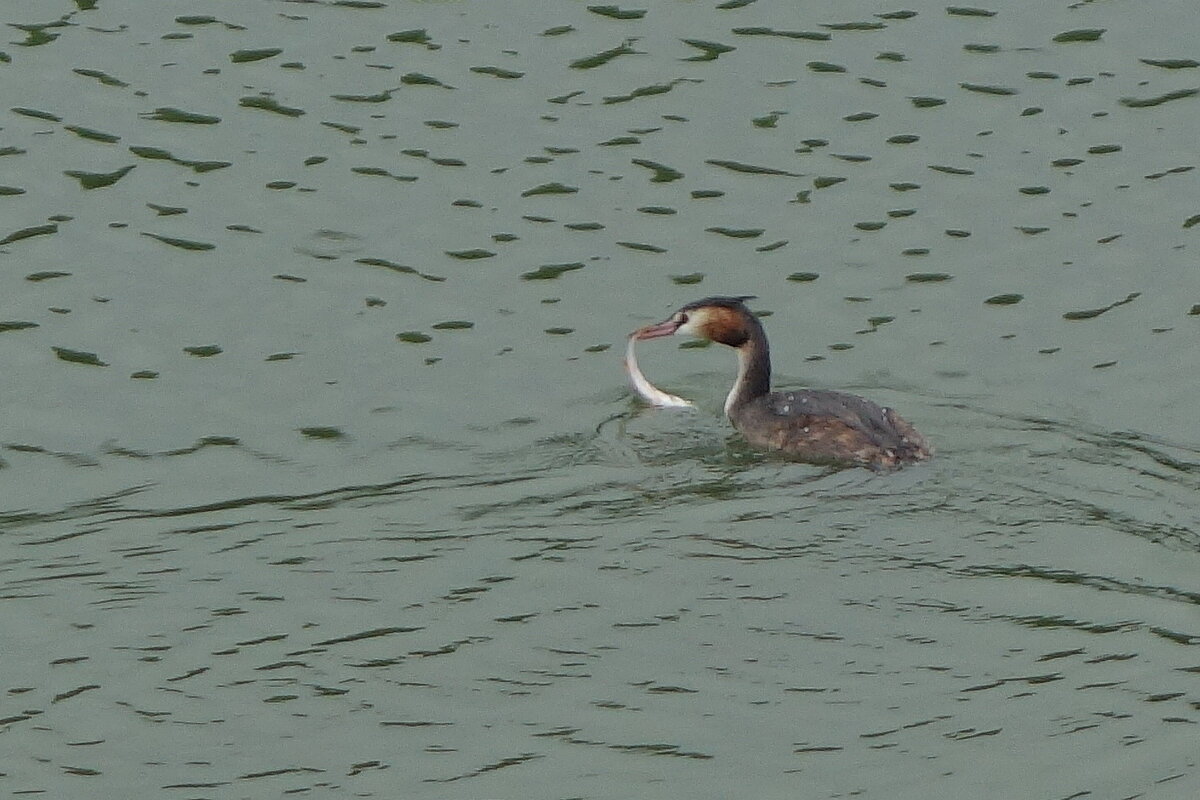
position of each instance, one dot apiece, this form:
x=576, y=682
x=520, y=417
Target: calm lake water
x=320, y=472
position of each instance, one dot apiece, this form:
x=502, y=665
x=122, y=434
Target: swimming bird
x=811, y=425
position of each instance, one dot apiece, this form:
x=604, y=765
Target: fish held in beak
x=646, y=390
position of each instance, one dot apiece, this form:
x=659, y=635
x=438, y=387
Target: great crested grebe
x=808, y=424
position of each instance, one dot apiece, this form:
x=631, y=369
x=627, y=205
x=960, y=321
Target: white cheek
x=691, y=328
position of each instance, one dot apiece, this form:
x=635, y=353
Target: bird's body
x=807, y=424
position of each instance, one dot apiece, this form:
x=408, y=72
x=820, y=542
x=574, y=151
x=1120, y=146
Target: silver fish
x=646, y=390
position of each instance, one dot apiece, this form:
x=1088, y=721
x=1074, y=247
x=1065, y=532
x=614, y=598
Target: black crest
x=736, y=303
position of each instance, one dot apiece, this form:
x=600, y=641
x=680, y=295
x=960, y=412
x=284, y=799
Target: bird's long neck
x=754, y=369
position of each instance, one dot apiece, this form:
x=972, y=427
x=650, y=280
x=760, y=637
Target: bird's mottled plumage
x=808, y=424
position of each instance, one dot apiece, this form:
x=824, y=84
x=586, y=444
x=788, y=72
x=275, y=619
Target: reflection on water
x=377, y=516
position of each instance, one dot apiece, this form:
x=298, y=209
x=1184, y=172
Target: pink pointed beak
x=665, y=328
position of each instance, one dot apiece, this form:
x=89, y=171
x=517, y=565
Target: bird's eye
x=681, y=319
